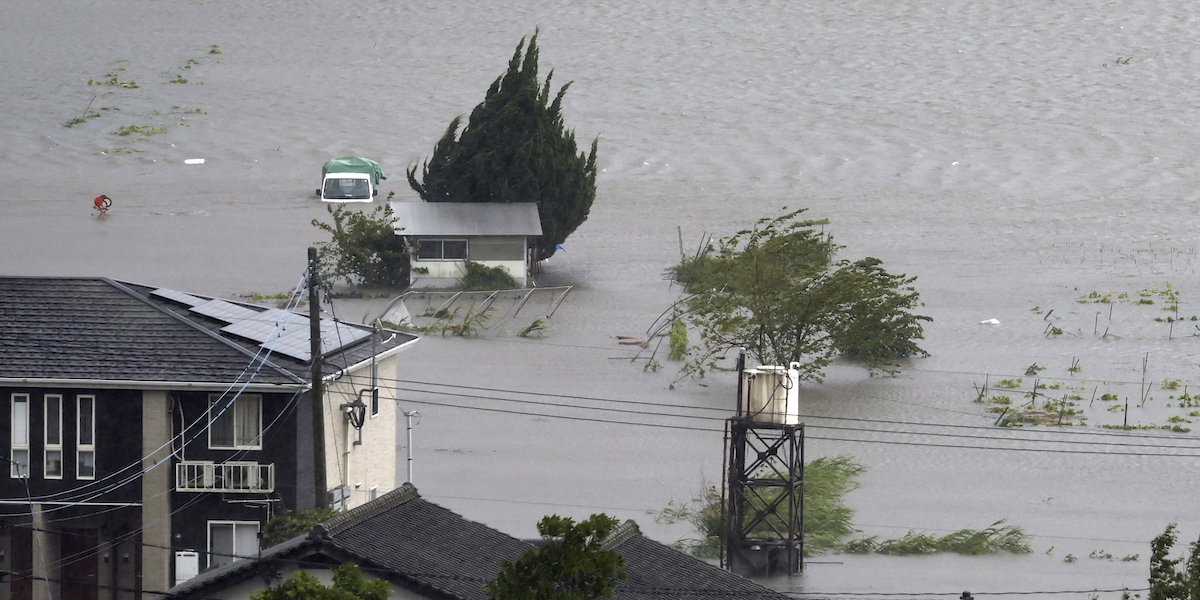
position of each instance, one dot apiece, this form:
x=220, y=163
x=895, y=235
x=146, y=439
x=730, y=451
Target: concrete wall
x=373, y=462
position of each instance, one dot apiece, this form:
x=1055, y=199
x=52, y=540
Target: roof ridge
x=621, y=534
x=241, y=349
x=392, y=499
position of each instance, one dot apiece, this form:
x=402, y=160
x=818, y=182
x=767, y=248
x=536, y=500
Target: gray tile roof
x=97, y=329
x=466, y=218
x=439, y=554
x=661, y=572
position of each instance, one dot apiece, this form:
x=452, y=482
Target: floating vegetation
x=1173, y=428
x=970, y=542
x=178, y=79
x=534, y=329
x=1070, y=558
x=1034, y=368
x=113, y=79
x=215, y=49
x=1169, y=384
x=121, y=150
x=139, y=130
x=90, y=114
x=1009, y=383
x=1101, y=555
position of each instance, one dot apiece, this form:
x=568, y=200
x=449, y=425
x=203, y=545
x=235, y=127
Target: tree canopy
x=348, y=584
x=570, y=564
x=779, y=291
x=515, y=148
x=364, y=248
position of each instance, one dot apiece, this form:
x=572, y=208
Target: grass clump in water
x=969, y=542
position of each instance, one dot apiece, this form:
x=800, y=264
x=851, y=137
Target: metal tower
x=764, y=484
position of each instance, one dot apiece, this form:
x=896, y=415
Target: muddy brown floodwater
x=1015, y=157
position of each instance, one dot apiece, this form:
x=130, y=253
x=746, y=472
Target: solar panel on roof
x=334, y=336
x=224, y=311
x=176, y=296
x=293, y=344
x=257, y=331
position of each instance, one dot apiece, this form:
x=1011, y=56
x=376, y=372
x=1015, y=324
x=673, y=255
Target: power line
x=1064, y=431
x=814, y=437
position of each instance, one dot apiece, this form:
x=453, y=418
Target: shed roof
x=466, y=218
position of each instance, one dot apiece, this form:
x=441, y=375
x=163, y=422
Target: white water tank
x=771, y=394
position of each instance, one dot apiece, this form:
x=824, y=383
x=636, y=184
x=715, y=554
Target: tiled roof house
x=150, y=432
x=427, y=551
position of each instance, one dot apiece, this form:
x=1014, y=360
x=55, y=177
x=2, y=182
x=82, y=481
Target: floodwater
x=1014, y=156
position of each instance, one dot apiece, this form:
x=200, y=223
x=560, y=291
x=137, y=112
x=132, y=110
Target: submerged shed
x=444, y=236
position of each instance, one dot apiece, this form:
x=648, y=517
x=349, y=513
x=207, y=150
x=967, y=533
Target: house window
x=53, y=448
x=442, y=250
x=374, y=402
x=236, y=424
x=231, y=540
x=374, y=492
x=19, y=465
x=85, y=437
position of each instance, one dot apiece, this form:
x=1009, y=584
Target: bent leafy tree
x=570, y=564
x=778, y=291
x=364, y=249
x=1167, y=581
x=515, y=148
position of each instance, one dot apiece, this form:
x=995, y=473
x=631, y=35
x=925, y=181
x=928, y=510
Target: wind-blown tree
x=348, y=584
x=515, y=148
x=570, y=564
x=778, y=291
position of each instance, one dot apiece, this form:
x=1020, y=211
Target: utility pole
x=408, y=417
x=318, y=388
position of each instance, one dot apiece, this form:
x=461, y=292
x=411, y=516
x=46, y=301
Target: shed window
x=442, y=250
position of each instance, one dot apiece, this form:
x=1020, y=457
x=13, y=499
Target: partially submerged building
x=444, y=236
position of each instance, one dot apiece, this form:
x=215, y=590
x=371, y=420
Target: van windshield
x=347, y=189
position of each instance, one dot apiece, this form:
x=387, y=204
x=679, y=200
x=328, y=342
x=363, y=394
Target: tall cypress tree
x=515, y=148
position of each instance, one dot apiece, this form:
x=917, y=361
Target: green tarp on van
x=354, y=164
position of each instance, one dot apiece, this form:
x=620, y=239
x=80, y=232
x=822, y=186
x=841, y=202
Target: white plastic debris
x=990, y=322
x=193, y=161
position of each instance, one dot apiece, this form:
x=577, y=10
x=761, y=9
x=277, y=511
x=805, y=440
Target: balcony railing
x=233, y=476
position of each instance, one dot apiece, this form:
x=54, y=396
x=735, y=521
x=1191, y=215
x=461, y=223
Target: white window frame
x=48, y=448
x=15, y=471
x=442, y=249
x=82, y=449
x=236, y=553
x=216, y=405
